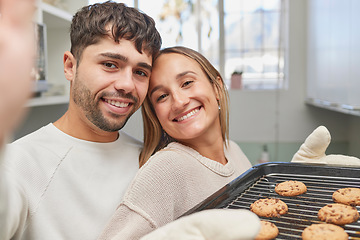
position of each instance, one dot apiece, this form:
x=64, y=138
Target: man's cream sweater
x=60, y=187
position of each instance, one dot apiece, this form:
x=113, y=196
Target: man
x=65, y=180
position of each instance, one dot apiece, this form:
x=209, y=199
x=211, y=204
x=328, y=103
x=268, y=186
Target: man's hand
x=17, y=56
x=214, y=224
x=314, y=147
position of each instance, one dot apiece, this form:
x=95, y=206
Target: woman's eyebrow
x=155, y=89
x=180, y=75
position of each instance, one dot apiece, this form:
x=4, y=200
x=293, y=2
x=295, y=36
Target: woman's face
x=184, y=100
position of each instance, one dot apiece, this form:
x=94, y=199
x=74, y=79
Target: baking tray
x=260, y=181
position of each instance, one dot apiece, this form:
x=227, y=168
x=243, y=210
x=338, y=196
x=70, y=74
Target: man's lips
x=186, y=116
x=118, y=104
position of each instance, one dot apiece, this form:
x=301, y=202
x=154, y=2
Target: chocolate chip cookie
x=324, y=231
x=269, y=207
x=290, y=188
x=348, y=196
x=268, y=231
x=339, y=214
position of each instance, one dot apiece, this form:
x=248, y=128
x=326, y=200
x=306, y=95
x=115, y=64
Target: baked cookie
x=324, y=231
x=290, y=188
x=339, y=214
x=348, y=196
x=269, y=207
x=268, y=231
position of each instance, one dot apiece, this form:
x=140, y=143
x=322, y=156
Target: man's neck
x=84, y=130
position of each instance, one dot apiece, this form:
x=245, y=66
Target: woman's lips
x=186, y=116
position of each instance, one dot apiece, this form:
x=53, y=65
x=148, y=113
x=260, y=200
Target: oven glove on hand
x=214, y=224
x=314, y=147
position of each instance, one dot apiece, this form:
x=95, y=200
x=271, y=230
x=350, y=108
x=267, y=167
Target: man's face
x=111, y=83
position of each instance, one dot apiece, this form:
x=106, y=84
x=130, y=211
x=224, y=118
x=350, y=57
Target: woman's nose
x=179, y=100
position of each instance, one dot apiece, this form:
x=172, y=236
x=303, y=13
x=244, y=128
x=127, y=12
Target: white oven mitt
x=214, y=224
x=314, y=147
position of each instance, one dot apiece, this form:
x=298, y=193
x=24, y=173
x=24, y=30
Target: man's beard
x=84, y=99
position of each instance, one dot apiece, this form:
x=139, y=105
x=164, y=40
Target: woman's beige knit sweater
x=173, y=181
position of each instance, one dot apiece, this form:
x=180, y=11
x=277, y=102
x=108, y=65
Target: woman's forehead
x=174, y=62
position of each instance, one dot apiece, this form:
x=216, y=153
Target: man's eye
x=141, y=73
x=109, y=65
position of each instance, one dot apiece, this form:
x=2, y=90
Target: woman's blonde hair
x=155, y=138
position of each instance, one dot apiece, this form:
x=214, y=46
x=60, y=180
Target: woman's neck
x=211, y=148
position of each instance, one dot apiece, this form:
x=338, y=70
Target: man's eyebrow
x=115, y=56
x=145, y=65
x=125, y=59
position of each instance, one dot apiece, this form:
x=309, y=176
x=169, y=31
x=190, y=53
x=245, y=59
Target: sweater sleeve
x=128, y=222
x=13, y=206
x=150, y=199
x=3, y=199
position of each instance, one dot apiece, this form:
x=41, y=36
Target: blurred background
x=289, y=65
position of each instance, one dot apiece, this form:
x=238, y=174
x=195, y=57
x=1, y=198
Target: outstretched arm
x=17, y=55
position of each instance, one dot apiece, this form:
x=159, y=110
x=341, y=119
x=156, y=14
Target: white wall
x=283, y=116
x=334, y=52
x=354, y=136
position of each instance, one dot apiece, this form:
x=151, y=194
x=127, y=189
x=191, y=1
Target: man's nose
x=125, y=82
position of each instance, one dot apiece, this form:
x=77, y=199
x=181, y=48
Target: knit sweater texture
x=172, y=182
x=60, y=187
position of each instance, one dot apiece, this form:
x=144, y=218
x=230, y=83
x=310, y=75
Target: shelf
x=44, y=101
x=55, y=17
x=57, y=41
x=343, y=108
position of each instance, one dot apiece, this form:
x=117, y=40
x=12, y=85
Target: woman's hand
x=214, y=224
x=314, y=147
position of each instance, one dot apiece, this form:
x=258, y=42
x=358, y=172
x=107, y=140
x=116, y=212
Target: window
x=190, y=23
x=243, y=37
x=255, y=42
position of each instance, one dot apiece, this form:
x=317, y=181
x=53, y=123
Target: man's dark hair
x=91, y=23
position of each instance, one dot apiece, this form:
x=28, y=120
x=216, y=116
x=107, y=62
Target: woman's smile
x=187, y=115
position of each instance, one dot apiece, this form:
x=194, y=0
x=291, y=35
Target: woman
x=186, y=142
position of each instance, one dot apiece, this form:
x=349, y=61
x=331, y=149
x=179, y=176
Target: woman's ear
x=69, y=66
x=217, y=87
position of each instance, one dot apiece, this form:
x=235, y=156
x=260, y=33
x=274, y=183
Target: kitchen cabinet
x=333, y=55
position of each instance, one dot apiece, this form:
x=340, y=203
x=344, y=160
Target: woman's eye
x=161, y=97
x=187, y=83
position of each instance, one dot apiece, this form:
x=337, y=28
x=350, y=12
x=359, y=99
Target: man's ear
x=69, y=66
